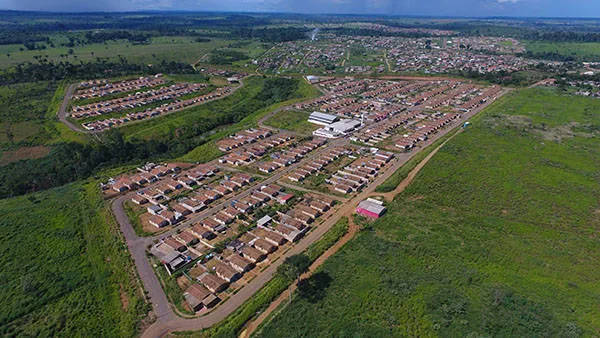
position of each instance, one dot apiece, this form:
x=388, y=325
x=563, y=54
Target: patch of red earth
x=124, y=297
x=23, y=153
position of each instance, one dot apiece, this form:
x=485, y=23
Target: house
x=212, y=282
x=264, y=221
x=371, y=208
x=202, y=232
x=235, y=245
x=242, y=207
x=289, y=233
x=252, y=254
x=187, y=238
x=318, y=205
x=226, y=271
x=231, y=212
x=284, y=199
x=270, y=191
x=139, y=199
x=292, y=222
x=157, y=221
x=192, y=205
x=274, y=238
x=199, y=297
x=164, y=189
x=180, y=211
x=240, y=263
x=222, y=218
x=313, y=213
x=213, y=225
x=221, y=190
x=265, y=246
x=174, y=244
x=259, y=196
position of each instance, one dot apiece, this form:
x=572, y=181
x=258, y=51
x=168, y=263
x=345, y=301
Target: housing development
x=303, y=169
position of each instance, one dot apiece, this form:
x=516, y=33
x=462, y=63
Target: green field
x=580, y=51
x=176, y=48
x=65, y=269
x=497, y=236
x=292, y=120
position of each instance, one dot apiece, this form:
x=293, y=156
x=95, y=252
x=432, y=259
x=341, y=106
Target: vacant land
x=577, y=51
x=65, y=271
x=497, y=236
x=292, y=120
x=175, y=48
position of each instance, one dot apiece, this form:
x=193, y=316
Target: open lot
x=64, y=270
x=495, y=236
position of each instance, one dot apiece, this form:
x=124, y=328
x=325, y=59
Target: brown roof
x=212, y=282
x=225, y=270
x=239, y=262
x=198, y=291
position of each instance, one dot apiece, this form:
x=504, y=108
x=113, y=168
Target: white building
x=322, y=118
x=337, y=129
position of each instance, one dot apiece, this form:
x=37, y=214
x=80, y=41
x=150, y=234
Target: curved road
x=167, y=321
x=62, y=110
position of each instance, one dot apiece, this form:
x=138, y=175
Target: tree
x=293, y=267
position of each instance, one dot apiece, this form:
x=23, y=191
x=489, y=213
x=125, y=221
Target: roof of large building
x=373, y=206
x=323, y=117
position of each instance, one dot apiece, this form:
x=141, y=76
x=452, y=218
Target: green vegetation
x=495, y=237
x=65, y=269
x=564, y=51
x=291, y=120
x=334, y=234
x=22, y=112
x=134, y=218
x=397, y=177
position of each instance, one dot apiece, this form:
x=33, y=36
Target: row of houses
x=359, y=173
x=290, y=156
x=242, y=138
x=100, y=88
x=247, y=154
x=136, y=100
x=316, y=165
x=293, y=224
x=423, y=130
x=154, y=112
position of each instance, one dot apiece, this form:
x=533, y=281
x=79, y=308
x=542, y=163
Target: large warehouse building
x=371, y=208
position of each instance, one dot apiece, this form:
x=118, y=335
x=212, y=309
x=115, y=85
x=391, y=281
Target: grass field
x=580, y=51
x=65, y=269
x=176, y=48
x=497, y=236
x=292, y=120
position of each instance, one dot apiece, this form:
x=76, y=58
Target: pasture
x=496, y=236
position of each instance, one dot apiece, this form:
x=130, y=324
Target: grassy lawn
x=497, y=236
x=65, y=270
x=292, y=120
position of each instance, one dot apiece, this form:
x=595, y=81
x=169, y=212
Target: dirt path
x=352, y=231
x=389, y=196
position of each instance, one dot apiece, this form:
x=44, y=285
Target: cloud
x=508, y=1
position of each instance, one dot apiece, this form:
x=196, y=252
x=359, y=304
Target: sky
x=519, y=8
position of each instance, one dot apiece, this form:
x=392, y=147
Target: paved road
x=62, y=110
x=167, y=321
